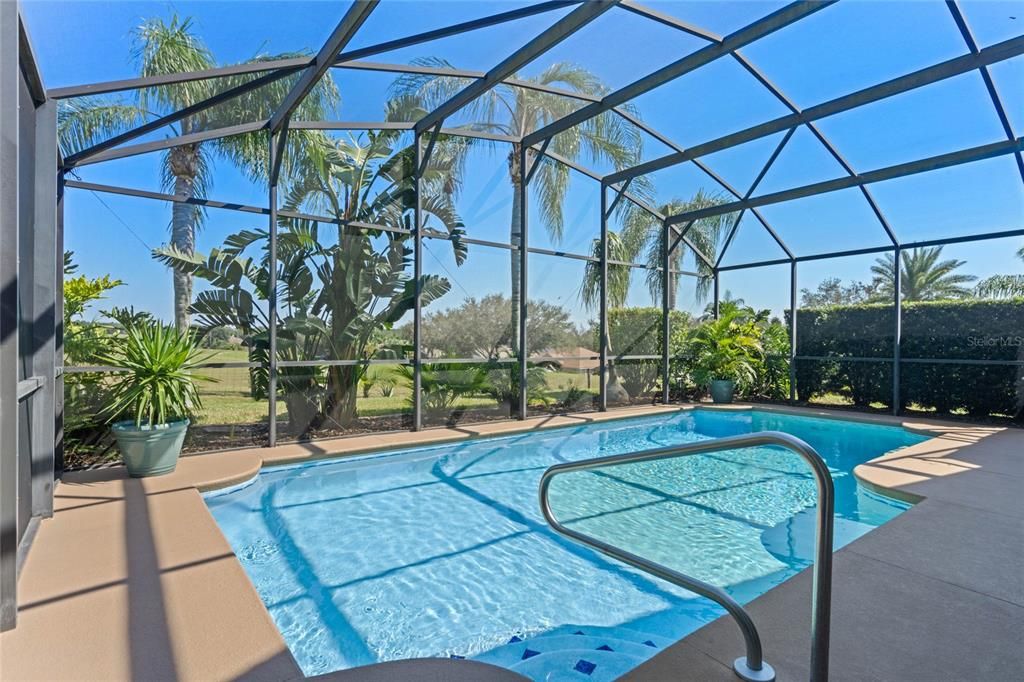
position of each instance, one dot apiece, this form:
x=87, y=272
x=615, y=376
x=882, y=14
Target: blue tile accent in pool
x=441, y=549
x=585, y=667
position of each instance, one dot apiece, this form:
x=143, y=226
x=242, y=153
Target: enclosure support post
x=43, y=293
x=417, y=274
x=897, y=337
x=58, y=347
x=666, y=308
x=9, y=76
x=717, y=300
x=523, y=311
x=272, y=298
x=792, y=331
x=603, y=321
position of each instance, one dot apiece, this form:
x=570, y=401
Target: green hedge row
x=961, y=330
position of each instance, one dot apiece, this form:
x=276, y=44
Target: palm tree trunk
x=184, y=163
x=183, y=238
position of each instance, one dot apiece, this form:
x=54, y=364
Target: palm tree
x=164, y=47
x=1002, y=286
x=641, y=238
x=923, y=277
x=518, y=111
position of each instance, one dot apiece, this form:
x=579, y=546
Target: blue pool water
x=442, y=551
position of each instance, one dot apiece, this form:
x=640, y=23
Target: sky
x=851, y=45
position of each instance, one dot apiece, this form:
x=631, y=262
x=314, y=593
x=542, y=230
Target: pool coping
x=93, y=530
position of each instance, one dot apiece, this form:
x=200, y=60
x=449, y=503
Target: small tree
x=481, y=328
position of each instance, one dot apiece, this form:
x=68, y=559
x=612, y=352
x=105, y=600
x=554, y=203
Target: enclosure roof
x=850, y=145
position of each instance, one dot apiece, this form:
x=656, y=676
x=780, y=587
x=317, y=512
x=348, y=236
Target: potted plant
x=724, y=352
x=158, y=391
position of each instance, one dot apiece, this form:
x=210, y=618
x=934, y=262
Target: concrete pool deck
x=132, y=578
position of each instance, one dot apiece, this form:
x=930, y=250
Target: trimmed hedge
x=971, y=330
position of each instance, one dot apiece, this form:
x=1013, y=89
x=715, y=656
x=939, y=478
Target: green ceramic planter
x=722, y=390
x=150, y=450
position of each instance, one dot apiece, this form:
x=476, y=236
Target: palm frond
x=85, y=121
x=164, y=47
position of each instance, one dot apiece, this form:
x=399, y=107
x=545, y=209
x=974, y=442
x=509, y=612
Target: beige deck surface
x=132, y=579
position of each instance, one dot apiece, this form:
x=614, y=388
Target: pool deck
x=132, y=578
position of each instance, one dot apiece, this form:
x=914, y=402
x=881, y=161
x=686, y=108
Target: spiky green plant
x=159, y=385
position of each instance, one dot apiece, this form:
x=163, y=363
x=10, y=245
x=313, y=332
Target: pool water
x=442, y=551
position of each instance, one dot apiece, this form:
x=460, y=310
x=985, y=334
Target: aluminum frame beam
x=986, y=76
x=177, y=141
x=672, y=22
x=75, y=159
x=346, y=29
x=962, y=239
x=462, y=27
x=559, y=31
x=230, y=206
x=993, y=54
x=753, y=186
x=759, y=29
x=293, y=64
x=940, y=161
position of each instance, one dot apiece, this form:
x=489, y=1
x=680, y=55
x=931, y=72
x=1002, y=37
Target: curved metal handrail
x=751, y=667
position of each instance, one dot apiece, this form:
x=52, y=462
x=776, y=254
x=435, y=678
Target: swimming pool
x=442, y=550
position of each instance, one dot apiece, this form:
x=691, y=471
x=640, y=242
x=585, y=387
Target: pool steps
x=596, y=654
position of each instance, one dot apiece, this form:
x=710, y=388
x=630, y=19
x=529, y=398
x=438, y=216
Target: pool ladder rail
x=751, y=667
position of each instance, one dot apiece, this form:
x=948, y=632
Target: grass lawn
x=227, y=400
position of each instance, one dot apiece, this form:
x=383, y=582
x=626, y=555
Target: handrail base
x=745, y=672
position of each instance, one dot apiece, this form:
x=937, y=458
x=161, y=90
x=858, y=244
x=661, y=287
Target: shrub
x=443, y=384
x=974, y=330
x=726, y=349
x=637, y=331
x=503, y=386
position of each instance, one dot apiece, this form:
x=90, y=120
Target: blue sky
x=851, y=45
